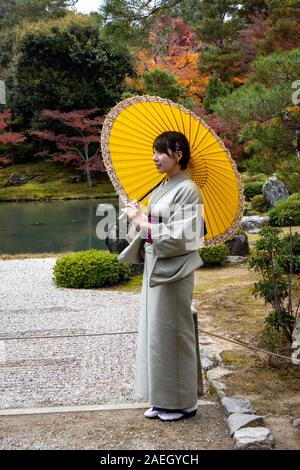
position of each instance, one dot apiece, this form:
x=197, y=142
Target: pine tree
x=5, y=7
x=161, y=83
x=283, y=23
x=218, y=30
x=214, y=90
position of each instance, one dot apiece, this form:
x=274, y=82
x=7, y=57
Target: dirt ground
x=226, y=307
x=118, y=430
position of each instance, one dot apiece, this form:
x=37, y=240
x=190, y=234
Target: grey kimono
x=166, y=374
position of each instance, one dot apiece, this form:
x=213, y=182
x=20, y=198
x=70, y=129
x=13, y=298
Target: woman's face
x=166, y=164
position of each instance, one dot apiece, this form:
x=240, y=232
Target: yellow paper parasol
x=127, y=139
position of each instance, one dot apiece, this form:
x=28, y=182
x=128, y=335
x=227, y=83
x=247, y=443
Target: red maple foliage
x=249, y=38
x=78, y=147
x=227, y=131
x=8, y=138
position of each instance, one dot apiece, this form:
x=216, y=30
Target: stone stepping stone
x=237, y=421
x=220, y=388
x=296, y=423
x=236, y=405
x=205, y=340
x=253, y=438
x=217, y=373
x=234, y=259
x=206, y=361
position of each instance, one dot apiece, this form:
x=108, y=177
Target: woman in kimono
x=168, y=240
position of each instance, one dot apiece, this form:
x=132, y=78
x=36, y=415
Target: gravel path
x=63, y=371
x=80, y=370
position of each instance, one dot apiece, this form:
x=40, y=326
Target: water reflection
x=56, y=226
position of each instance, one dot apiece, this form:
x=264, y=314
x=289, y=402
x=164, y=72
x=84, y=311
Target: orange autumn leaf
x=174, y=49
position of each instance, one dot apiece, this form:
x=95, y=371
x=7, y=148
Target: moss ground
x=55, y=186
x=227, y=307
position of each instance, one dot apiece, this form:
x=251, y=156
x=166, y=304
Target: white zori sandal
x=171, y=415
x=153, y=412
x=175, y=415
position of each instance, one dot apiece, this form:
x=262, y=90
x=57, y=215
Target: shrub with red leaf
x=228, y=132
x=7, y=137
x=249, y=38
x=78, y=146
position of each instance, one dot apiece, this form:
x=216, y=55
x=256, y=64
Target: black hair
x=171, y=141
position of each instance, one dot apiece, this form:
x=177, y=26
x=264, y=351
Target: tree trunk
x=89, y=177
x=87, y=170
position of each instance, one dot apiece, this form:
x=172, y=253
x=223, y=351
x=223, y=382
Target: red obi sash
x=152, y=219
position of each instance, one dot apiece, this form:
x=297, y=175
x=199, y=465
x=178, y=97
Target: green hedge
x=294, y=197
x=286, y=212
x=88, y=269
x=250, y=178
x=259, y=203
x=241, y=232
x=214, y=255
x=253, y=189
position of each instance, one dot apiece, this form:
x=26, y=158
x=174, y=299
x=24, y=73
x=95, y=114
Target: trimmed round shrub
x=249, y=178
x=294, y=197
x=286, y=212
x=259, y=203
x=241, y=232
x=247, y=207
x=214, y=255
x=252, y=189
x=91, y=268
x=251, y=212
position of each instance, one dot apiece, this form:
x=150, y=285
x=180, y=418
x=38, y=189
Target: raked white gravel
x=63, y=371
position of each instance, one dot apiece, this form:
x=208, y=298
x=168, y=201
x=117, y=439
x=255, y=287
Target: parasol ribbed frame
x=203, y=176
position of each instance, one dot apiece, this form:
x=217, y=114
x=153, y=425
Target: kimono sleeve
x=182, y=233
x=132, y=232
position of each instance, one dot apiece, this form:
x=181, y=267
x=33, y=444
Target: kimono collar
x=167, y=186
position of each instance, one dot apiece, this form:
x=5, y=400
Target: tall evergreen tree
x=131, y=20
x=250, y=8
x=283, y=26
x=18, y=10
x=263, y=111
x=65, y=64
x=218, y=30
x=5, y=7
x=161, y=83
x=14, y=12
x=214, y=90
